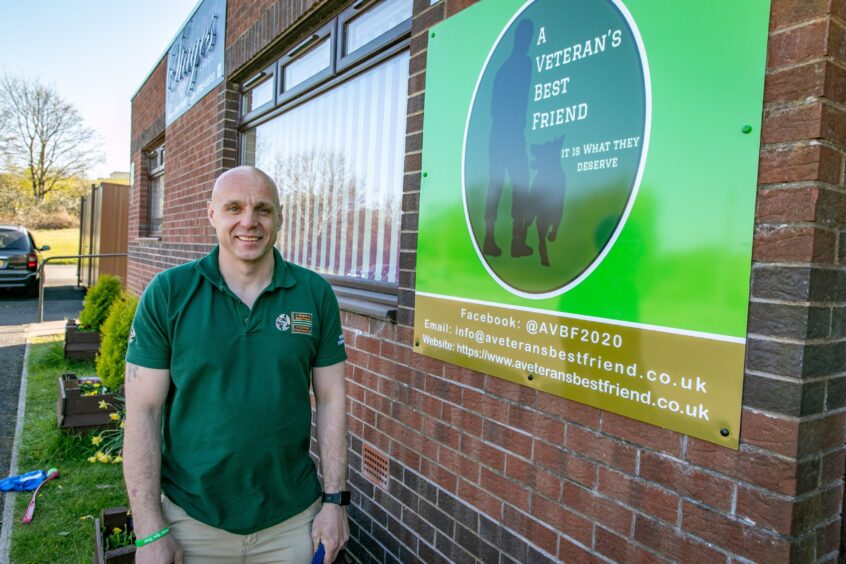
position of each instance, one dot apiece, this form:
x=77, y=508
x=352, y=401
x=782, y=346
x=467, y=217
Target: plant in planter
x=114, y=538
x=79, y=405
x=109, y=442
x=116, y=328
x=82, y=337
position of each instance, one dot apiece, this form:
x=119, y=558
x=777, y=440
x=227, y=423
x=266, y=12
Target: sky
x=95, y=53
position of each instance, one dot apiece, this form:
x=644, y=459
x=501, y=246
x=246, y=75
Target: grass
x=63, y=527
x=62, y=242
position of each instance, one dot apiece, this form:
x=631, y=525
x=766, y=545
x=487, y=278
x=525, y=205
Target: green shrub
x=97, y=302
x=110, y=360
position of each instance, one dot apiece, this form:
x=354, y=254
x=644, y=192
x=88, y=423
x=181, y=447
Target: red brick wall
x=483, y=468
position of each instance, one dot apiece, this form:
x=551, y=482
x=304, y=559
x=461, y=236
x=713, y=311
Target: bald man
x=221, y=357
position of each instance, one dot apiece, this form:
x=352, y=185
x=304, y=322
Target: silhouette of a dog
x=547, y=192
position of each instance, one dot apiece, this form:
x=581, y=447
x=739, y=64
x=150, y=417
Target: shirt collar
x=209, y=267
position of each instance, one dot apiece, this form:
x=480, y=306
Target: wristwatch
x=338, y=498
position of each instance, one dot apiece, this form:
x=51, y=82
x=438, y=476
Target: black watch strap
x=338, y=498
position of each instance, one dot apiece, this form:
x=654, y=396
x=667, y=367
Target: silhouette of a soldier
x=509, y=102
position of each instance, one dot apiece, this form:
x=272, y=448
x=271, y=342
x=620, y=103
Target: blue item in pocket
x=23, y=482
x=318, y=556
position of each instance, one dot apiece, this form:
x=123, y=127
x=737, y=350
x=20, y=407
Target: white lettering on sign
x=184, y=63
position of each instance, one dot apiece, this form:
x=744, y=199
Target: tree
x=44, y=135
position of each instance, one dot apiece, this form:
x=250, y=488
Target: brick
x=766, y=471
x=460, y=465
x=775, y=357
x=463, y=513
x=440, y=432
x=787, y=204
x=786, y=320
x=687, y=481
x=546, y=428
x=539, y=534
x=573, y=525
x=639, y=495
x=817, y=509
x=426, y=19
x=602, y=448
x=798, y=45
x=835, y=83
x=522, y=395
x=464, y=376
x=567, y=465
x=832, y=466
x=793, y=123
x=673, y=543
x=443, y=477
x=464, y=420
x=483, y=452
x=508, y=439
x=796, y=83
x=799, y=162
x=482, y=404
x=822, y=434
x=455, y=6
x=571, y=552
x=402, y=534
x=777, y=434
x=484, y=501
x=788, y=397
x=827, y=540
x=794, y=244
x=784, y=13
x=536, y=479
x=833, y=124
x=737, y=537
x=597, y=508
x=437, y=518
x=765, y=510
x=509, y=543
x=505, y=489
x=651, y=436
x=620, y=549
x=569, y=410
x=790, y=283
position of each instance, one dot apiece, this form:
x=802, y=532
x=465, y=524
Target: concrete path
x=18, y=317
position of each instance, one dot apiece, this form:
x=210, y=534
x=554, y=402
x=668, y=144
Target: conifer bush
x=115, y=330
x=98, y=300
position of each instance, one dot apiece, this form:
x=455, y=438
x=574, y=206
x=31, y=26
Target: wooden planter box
x=80, y=345
x=82, y=413
x=111, y=518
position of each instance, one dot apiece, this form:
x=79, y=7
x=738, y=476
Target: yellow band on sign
x=687, y=382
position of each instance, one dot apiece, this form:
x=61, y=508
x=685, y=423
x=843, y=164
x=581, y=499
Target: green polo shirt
x=237, y=421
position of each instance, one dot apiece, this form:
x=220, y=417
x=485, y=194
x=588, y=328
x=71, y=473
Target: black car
x=19, y=259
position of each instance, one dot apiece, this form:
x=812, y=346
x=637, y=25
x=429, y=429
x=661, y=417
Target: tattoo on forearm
x=131, y=372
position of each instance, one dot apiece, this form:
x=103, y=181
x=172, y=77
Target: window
x=335, y=144
x=382, y=20
x=155, y=200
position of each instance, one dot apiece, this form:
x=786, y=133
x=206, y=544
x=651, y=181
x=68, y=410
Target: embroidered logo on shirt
x=301, y=323
x=283, y=322
x=131, y=334
x=340, y=339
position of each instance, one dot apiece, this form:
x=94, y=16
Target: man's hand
x=163, y=551
x=331, y=528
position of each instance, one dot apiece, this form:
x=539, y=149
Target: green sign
x=590, y=181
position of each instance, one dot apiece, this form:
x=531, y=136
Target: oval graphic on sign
x=555, y=143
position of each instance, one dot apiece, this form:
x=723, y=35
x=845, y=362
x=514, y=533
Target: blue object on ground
x=318, y=556
x=23, y=482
